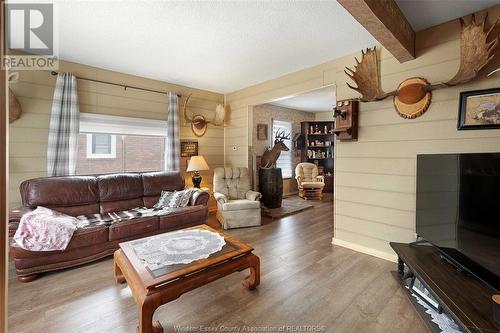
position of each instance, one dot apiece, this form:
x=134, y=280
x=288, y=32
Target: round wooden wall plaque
x=199, y=125
x=412, y=101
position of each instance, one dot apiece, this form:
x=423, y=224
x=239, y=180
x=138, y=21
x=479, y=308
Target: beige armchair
x=237, y=205
x=309, y=183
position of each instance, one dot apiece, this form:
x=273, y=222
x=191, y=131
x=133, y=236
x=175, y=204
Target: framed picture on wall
x=479, y=109
x=262, y=132
x=189, y=148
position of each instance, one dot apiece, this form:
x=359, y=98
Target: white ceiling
x=221, y=46
x=423, y=14
x=313, y=101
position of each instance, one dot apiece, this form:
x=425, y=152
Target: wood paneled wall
x=375, y=176
x=324, y=116
x=28, y=137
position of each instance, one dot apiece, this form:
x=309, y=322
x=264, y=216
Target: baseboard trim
x=364, y=249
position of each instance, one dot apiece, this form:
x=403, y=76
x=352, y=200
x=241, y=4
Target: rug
x=288, y=207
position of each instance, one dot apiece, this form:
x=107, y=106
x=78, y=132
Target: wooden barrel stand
x=271, y=187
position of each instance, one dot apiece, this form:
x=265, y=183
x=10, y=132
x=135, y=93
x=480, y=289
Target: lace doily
x=445, y=323
x=179, y=247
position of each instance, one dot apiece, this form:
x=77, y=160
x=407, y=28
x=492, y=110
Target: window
x=101, y=145
x=285, y=160
x=109, y=144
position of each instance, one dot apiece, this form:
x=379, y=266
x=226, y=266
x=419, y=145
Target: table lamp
x=197, y=164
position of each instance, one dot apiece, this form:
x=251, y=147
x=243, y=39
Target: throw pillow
x=186, y=197
x=173, y=199
x=164, y=199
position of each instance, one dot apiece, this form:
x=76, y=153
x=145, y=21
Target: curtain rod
x=120, y=85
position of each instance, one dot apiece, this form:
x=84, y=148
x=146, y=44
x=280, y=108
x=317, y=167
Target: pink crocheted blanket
x=45, y=230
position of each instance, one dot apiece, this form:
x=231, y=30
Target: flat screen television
x=458, y=210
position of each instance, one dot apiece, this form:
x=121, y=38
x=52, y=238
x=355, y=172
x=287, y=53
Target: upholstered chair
x=237, y=205
x=310, y=184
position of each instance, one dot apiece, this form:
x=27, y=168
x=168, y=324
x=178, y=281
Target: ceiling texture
x=223, y=46
x=423, y=14
x=313, y=101
x=214, y=45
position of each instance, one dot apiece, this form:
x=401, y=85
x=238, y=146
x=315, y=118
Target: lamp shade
x=197, y=163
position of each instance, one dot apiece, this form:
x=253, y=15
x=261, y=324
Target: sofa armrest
x=199, y=198
x=253, y=196
x=15, y=217
x=221, y=198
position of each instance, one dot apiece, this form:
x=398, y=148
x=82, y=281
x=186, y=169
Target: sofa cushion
x=78, y=192
x=88, y=236
x=119, y=192
x=184, y=217
x=133, y=227
x=120, y=205
x=149, y=202
x=240, y=204
x=156, y=182
x=76, y=210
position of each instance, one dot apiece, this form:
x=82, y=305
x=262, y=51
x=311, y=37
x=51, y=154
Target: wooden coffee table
x=151, y=289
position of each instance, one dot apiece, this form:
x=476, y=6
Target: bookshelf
x=318, y=148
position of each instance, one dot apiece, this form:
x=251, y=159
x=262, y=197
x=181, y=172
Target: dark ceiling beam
x=384, y=20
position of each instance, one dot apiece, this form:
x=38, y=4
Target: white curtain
x=172, y=141
x=285, y=159
x=64, y=127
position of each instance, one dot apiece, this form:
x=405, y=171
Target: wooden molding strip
x=3, y=178
x=364, y=249
x=385, y=21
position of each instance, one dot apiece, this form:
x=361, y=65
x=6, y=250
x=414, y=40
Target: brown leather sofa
x=78, y=195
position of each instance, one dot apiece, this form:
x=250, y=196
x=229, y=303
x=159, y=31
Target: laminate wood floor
x=305, y=280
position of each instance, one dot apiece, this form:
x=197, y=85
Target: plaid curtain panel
x=172, y=141
x=64, y=127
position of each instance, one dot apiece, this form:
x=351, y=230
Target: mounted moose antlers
x=199, y=123
x=413, y=95
x=270, y=156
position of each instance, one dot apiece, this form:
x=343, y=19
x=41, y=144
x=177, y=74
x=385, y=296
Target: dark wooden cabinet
x=317, y=147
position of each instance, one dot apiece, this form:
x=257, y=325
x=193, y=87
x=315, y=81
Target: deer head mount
x=199, y=123
x=270, y=156
x=413, y=95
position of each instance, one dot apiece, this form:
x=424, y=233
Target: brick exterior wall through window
x=134, y=153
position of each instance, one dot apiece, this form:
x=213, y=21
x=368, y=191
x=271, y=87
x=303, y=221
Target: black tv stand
x=419, y=242
x=462, y=296
x=451, y=263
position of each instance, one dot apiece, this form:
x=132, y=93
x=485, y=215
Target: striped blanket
x=94, y=220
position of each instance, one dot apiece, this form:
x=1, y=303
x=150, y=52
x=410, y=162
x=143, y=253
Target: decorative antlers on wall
x=199, y=123
x=413, y=95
